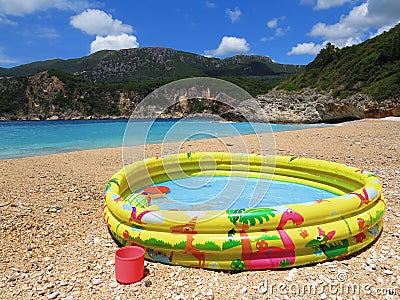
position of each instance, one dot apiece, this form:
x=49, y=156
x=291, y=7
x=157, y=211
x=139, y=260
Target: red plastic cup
x=129, y=264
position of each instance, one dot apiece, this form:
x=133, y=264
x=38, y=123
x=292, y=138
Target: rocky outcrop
x=43, y=96
x=310, y=106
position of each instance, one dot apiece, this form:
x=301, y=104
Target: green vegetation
x=268, y=238
x=372, y=68
x=231, y=244
x=155, y=65
x=12, y=96
x=210, y=246
x=251, y=215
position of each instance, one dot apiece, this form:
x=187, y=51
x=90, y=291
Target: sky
x=288, y=31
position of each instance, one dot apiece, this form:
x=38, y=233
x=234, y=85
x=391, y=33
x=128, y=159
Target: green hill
x=155, y=64
x=371, y=68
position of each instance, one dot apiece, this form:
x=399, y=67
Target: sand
x=54, y=244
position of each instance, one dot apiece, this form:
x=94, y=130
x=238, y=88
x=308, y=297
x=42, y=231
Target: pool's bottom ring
x=248, y=238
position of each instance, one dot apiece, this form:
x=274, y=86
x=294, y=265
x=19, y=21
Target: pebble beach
x=54, y=243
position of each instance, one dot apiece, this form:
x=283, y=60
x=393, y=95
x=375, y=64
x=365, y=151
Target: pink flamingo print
x=138, y=218
x=271, y=257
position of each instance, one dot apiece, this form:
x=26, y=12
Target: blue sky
x=288, y=31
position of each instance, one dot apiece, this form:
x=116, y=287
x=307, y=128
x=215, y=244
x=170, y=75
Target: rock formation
x=310, y=106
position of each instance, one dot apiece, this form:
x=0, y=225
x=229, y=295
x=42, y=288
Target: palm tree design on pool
x=265, y=256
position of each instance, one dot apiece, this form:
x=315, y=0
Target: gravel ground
x=54, y=244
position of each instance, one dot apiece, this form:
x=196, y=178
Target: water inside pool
x=224, y=192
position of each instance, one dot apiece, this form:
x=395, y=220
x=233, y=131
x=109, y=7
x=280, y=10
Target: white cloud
x=266, y=38
x=111, y=34
x=23, y=7
x=114, y=42
x=47, y=33
x=353, y=27
x=234, y=15
x=275, y=24
x=4, y=20
x=380, y=31
x=272, y=23
x=305, y=48
x=281, y=31
x=98, y=22
x=229, y=45
x=306, y=2
x=325, y=4
x=210, y=4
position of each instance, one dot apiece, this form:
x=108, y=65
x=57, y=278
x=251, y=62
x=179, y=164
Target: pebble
x=110, y=262
x=180, y=283
x=380, y=280
x=243, y=290
x=369, y=269
x=207, y=293
x=96, y=281
x=16, y=203
x=53, y=295
x=369, y=261
x=63, y=283
x=291, y=275
x=148, y=283
x=388, y=272
x=181, y=296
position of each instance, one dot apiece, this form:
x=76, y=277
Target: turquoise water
x=221, y=192
x=31, y=138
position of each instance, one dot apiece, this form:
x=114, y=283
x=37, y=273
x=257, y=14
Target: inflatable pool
x=246, y=238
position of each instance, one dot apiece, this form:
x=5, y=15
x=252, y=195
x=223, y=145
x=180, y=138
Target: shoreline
x=310, y=126
x=53, y=237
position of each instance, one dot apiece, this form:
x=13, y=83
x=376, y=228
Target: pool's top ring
x=358, y=189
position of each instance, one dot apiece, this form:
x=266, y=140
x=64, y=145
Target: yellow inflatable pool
x=247, y=238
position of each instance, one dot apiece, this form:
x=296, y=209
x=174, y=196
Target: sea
x=33, y=138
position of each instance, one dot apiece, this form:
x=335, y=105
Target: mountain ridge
x=154, y=64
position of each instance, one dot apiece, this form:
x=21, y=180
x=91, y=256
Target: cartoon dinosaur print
x=271, y=257
x=189, y=230
x=321, y=238
x=332, y=249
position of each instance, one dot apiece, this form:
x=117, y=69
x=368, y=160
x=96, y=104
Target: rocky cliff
x=310, y=106
x=45, y=96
